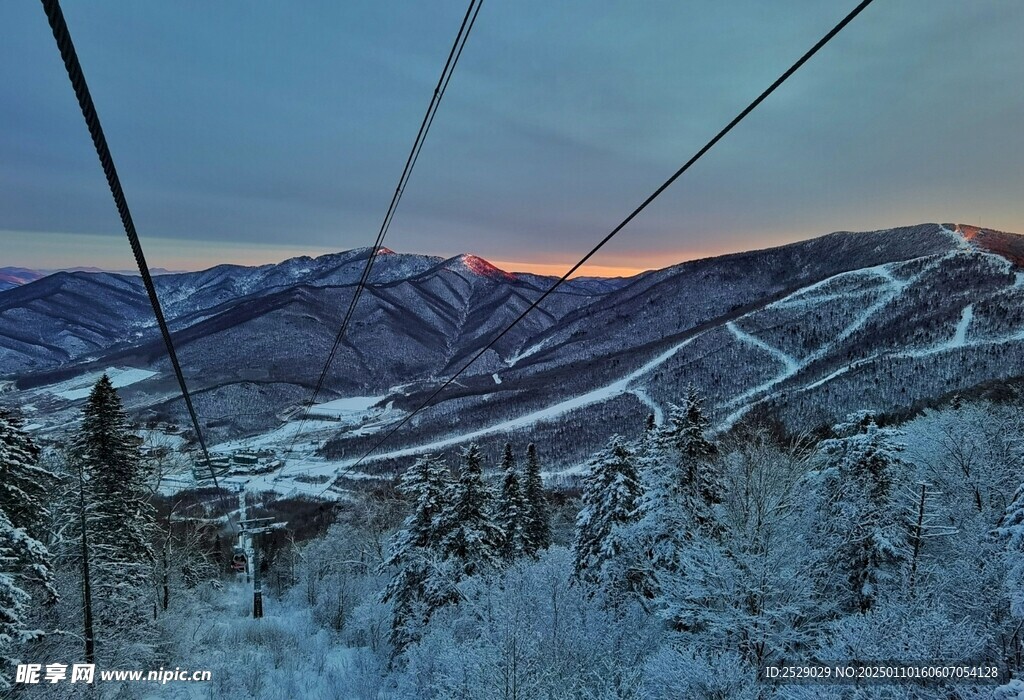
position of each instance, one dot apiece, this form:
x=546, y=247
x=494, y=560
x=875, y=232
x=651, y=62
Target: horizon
x=287, y=139
x=542, y=269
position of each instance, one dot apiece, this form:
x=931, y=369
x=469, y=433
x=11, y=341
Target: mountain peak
x=1008, y=245
x=480, y=267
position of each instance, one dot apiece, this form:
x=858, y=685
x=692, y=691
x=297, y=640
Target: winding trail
x=791, y=363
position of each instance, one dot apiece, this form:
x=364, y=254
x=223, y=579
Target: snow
x=659, y=415
x=356, y=411
x=600, y=395
x=960, y=337
x=897, y=286
x=791, y=363
x=346, y=406
x=309, y=465
x=526, y=353
x=79, y=387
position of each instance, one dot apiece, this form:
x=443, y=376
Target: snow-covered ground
x=79, y=387
x=347, y=407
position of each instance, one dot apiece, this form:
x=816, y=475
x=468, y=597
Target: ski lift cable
x=428, y=119
x=643, y=205
x=62, y=36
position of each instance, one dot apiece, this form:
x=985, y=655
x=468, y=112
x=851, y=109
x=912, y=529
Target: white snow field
x=349, y=407
x=79, y=387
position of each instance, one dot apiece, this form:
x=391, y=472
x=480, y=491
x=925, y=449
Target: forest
x=677, y=564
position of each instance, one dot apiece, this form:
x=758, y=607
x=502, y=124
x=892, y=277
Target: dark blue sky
x=251, y=132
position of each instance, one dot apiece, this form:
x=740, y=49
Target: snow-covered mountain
x=798, y=334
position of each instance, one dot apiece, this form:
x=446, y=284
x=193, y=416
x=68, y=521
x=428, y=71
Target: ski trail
x=609, y=391
x=854, y=326
x=516, y=357
x=791, y=363
x=802, y=297
x=960, y=337
x=959, y=341
x=640, y=393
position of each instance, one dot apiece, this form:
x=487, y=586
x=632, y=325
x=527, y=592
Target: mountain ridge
x=794, y=330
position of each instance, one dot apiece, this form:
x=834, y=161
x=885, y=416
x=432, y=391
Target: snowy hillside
x=801, y=333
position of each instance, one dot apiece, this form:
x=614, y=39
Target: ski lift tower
x=250, y=530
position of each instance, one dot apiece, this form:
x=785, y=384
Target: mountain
x=798, y=335
x=11, y=277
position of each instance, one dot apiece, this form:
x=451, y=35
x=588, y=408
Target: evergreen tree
x=511, y=508
x=696, y=474
x=470, y=535
x=651, y=424
x=537, y=528
x=23, y=483
x=120, y=520
x=418, y=586
x=611, y=496
x=861, y=528
x=24, y=567
x=683, y=486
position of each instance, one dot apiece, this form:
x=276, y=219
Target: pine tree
x=861, y=530
x=418, y=586
x=24, y=567
x=120, y=517
x=471, y=536
x=537, y=528
x=697, y=475
x=683, y=486
x=25, y=564
x=611, y=496
x=23, y=483
x=511, y=508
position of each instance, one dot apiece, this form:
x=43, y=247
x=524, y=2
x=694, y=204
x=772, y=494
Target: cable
x=643, y=205
x=67, y=52
x=428, y=119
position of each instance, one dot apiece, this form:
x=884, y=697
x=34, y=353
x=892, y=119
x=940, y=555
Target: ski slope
x=80, y=387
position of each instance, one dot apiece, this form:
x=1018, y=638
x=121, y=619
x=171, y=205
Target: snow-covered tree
x=23, y=482
x=748, y=591
x=537, y=528
x=510, y=508
x=24, y=568
x=25, y=564
x=682, y=491
x=1011, y=526
x=611, y=495
x=694, y=474
x=418, y=585
x=470, y=535
x=120, y=520
x=863, y=529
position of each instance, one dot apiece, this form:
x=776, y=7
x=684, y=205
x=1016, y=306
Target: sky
x=257, y=131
